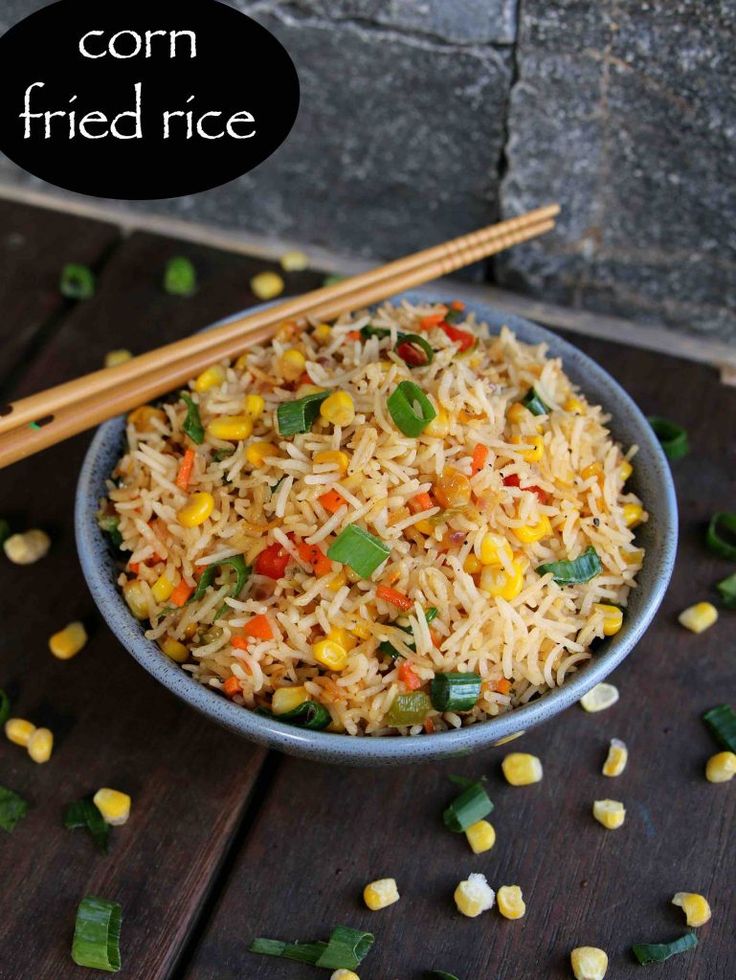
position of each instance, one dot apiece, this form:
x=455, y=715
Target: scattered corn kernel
x=322, y=333
x=574, y=405
x=333, y=457
x=696, y=908
x=19, y=731
x=589, y=963
x=342, y=637
x=197, y=511
x=115, y=357
x=633, y=514
x=338, y=408
x=594, y=470
x=25, y=549
x=254, y=406
x=529, y=533
x=338, y=581
x=492, y=547
x=162, y=589
x=618, y=756
x=481, y=836
x=516, y=412
x=599, y=698
x=499, y=583
x=610, y=813
x=267, y=285
x=287, y=698
x=41, y=745
x=699, y=617
x=258, y=452
x=380, y=894
x=330, y=655
x=535, y=453
x=522, y=769
x=231, y=428
x=474, y=896
x=613, y=618
x=625, y=470
x=471, y=565
x=361, y=629
x=439, y=427
x=142, y=419
x=510, y=902
x=292, y=364
x=113, y=805
x=721, y=767
x=344, y=975
x=175, y=650
x=68, y=642
x=294, y=261
x=212, y=377
x=134, y=593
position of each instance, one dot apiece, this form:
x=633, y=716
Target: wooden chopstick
x=82, y=414
x=47, y=403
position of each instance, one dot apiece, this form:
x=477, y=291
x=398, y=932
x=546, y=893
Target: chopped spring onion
x=85, y=814
x=110, y=525
x=534, y=403
x=77, y=282
x=442, y=975
x=219, y=455
x=431, y=614
x=721, y=722
x=414, y=350
x=12, y=809
x=390, y=650
x=454, y=316
x=580, y=569
x=672, y=437
x=180, y=277
x=723, y=544
x=346, y=949
x=4, y=531
x=647, y=953
x=309, y=714
x=359, y=549
x=370, y=331
x=332, y=280
x=727, y=588
x=96, y=941
x=192, y=423
x=410, y=409
x=409, y=709
x=455, y=692
x=472, y=805
x=300, y=415
x=4, y=707
x=242, y=572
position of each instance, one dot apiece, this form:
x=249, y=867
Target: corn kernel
x=535, y=453
x=439, y=427
x=254, y=406
x=522, y=769
x=380, y=894
x=625, y=470
x=599, y=698
x=699, y=617
x=267, y=285
x=336, y=583
x=197, y=511
x=242, y=362
x=292, y=364
x=258, y=452
x=452, y=488
x=287, y=698
x=68, y=642
x=481, y=836
x=696, y=908
x=175, y=650
x=294, y=261
x=589, y=963
x=516, y=412
x=471, y=565
x=115, y=357
x=330, y=655
x=574, y=405
x=134, y=593
x=212, y=377
x=142, y=419
x=333, y=457
x=231, y=428
x=721, y=767
x=609, y=813
x=474, y=896
x=344, y=975
x=19, y=731
x=162, y=589
x=595, y=469
x=342, y=637
x=322, y=334
x=28, y=548
x=113, y=805
x=360, y=629
x=510, y=902
x=613, y=618
x=425, y=526
x=528, y=534
x=338, y=408
x=618, y=756
x=499, y=583
x=633, y=514
x=492, y=547
x=40, y=745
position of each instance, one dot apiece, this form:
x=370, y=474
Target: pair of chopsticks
x=49, y=417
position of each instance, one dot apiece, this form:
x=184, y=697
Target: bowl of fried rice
x=410, y=533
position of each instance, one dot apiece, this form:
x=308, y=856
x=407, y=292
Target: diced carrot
x=313, y=555
x=259, y=627
x=480, y=457
x=181, y=594
x=436, y=638
x=239, y=642
x=394, y=597
x=332, y=501
x=503, y=686
x=457, y=304
x=421, y=502
x=231, y=687
x=304, y=379
x=185, y=470
x=428, y=726
x=408, y=677
x=134, y=567
x=354, y=335
x=427, y=322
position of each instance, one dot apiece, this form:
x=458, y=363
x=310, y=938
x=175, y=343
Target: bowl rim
x=367, y=750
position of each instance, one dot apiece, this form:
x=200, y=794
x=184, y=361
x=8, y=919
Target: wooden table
x=227, y=841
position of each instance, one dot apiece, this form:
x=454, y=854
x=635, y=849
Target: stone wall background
x=422, y=119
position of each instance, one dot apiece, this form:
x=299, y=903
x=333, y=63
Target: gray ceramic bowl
x=652, y=481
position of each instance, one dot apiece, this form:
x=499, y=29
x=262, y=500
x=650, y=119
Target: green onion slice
x=647, y=953
x=455, y=691
x=442, y=975
x=431, y=614
x=192, y=423
x=310, y=714
x=4, y=707
x=370, y=331
x=300, y=415
x=180, y=277
x=96, y=941
x=672, y=437
x=12, y=809
x=721, y=535
x=454, y=316
x=84, y=814
x=77, y=282
x=580, y=569
x=359, y=549
x=109, y=525
x=468, y=808
x=346, y=949
x=242, y=573
x=332, y=280
x=721, y=723
x=416, y=341
x=4, y=531
x=410, y=409
x=390, y=650
x=220, y=455
x=409, y=709
x=534, y=403
x=727, y=588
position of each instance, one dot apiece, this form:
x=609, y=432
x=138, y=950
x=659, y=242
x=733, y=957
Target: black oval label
x=143, y=99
